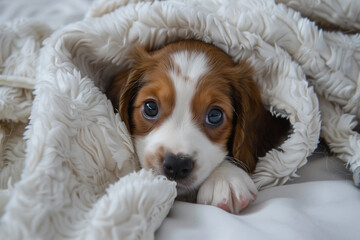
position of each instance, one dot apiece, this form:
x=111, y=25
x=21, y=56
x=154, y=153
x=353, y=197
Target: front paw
x=229, y=188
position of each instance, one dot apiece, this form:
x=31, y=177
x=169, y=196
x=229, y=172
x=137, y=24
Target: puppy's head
x=187, y=107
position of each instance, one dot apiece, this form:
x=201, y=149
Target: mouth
x=186, y=193
x=178, y=168
x=186, y=185
x=186, y=188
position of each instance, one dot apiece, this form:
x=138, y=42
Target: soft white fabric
x=344, y=14
x=20, y=43
x=77, y=147
x=309, y=210
x=51, y=12
x=321, y=204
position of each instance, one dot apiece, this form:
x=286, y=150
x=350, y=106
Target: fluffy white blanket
x=72, y=168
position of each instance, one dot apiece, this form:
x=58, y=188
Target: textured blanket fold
x=75, y=169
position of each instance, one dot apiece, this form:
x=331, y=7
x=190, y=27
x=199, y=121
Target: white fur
x=228, y=185
x=192, y=65
x=179, y=133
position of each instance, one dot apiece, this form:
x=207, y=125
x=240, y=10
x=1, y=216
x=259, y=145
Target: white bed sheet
x=322, y=203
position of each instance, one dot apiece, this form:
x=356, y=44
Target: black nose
x=177, y=166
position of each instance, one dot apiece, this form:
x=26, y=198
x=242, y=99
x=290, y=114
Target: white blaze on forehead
x=189, y=67
x=192, y=64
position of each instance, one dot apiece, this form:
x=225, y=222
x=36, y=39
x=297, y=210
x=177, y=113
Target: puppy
x=197, y=117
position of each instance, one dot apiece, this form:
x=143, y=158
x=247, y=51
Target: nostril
x=177, y=166
x=168, y=169
x=169, y=164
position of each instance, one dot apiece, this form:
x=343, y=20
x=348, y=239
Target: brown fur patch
x=146, y=80
x=154, y=161
x=117, y=85
x=214, y=92
x=159, y=88
x=255, y=130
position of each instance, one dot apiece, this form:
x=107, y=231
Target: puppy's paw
x=229, y=188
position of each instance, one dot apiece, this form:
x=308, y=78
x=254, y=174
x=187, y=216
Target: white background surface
x=321, y=204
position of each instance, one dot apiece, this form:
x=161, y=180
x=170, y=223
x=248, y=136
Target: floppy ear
x=248, y=108
x=255, y=130
x=124, y=88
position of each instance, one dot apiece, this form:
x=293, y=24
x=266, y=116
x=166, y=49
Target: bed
x=318, y=201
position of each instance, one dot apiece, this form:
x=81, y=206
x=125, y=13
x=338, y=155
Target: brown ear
x=255, y=131
x=124, y=88
x=248, y=107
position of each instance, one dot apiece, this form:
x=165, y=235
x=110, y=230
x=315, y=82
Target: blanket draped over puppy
x=74, y=168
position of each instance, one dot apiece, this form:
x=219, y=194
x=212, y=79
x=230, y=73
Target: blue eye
x=150, y=110
x=214, y=117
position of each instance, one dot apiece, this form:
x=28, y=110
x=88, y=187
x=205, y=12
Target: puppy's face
x=182, y=118
x=178, y=103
